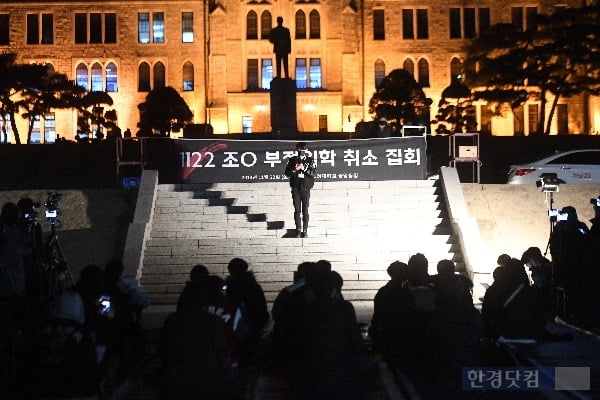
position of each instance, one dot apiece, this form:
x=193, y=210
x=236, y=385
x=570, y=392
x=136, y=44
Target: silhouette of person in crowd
x=330, y=344
x=385, y=321
x=300, y=170
x=243, y=289
x=568, y=247
x=541, y=271
x=195, y=358
x=510, y=306
x=282, y=46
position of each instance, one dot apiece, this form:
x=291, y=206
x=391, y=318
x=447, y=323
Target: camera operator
x=568, y=246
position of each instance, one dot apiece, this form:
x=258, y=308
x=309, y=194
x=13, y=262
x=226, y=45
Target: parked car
x=575, y=166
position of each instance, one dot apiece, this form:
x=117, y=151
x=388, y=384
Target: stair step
x=360, y=227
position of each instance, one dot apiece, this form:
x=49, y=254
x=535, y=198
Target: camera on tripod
x=51, y=204
x=548, y=182
x=557, y=216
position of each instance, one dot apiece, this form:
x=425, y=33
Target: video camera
x=557, y=216
x=51, y=204
x=548, y=182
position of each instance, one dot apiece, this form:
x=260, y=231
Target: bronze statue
x=282, y=46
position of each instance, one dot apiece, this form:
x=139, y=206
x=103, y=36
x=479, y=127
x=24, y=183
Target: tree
x=9, y=90
x=459, y=115
x=164, y=110
x=92, y=110
x=44, y=90
x=559, y=56
x=400, y=100
x=34, y=90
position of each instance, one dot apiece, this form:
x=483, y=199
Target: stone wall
x=512, y=218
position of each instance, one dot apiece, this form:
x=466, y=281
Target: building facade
x=218, y=56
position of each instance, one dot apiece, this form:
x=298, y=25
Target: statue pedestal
x=283, y=106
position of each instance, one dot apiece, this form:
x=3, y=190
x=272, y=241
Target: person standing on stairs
x=301, y=170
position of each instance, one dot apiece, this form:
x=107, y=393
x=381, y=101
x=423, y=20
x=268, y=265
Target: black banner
x=223, y=160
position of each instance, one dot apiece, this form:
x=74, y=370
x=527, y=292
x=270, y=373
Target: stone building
x=218, y=56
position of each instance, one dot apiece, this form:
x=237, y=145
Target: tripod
x=55, y=264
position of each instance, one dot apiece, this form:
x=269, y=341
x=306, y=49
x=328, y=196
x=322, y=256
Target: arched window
x=300, y=25
x=81, y=74
x=159, y=76
x=409, y=66
x=379, y=72
x=188, y=76
x=266, y=24
x=251, y=25
x=144, y=77
x=455, y=69
x=423, y=72
x=111, y=78
x=97, y=78
x=315, y=24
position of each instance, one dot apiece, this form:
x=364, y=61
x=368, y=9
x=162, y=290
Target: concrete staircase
x=360, y=227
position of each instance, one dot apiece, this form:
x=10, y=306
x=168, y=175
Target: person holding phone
x=300, y=170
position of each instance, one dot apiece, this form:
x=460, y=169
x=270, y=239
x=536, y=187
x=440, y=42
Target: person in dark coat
x=385, y=321
x=194, y=356
x=330, y=345
x=300, y=170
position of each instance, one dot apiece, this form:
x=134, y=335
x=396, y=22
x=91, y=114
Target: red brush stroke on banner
x=212, y=148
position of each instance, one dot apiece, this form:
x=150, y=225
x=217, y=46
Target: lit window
x=5, y=129
x=49, y=128
x=315, y=73
x=144, y=27
x=301, y=73
x=82, y=76
x=111, y=78
x=35, y=131
x=97, y=78
x=266, y=72
x=246, y=124
x=187, y=27
x=158, y=27
x=188, y=76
